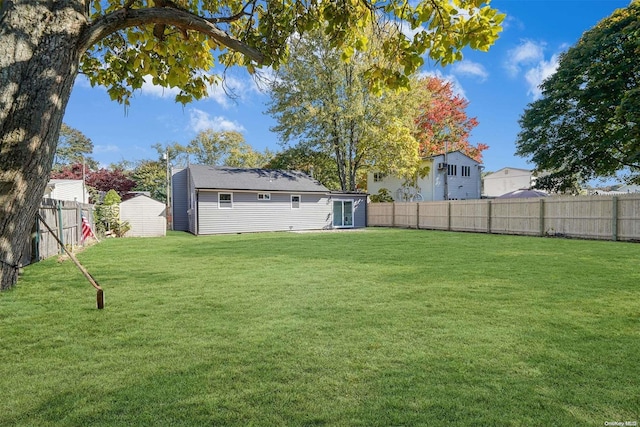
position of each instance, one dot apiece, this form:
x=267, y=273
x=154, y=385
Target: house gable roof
x=138, y=197
x=456, y=152
x=505, y=170
x=230, y=178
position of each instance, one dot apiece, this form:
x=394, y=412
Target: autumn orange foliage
x=443, y=123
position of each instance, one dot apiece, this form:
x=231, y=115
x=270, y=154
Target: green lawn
x=373, y=328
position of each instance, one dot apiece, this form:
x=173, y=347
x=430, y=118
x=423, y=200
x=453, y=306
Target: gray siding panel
x=251, y=215
x=180, y=202
x=360, y=211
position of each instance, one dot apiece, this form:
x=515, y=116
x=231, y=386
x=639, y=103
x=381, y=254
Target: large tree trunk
x=38, y=65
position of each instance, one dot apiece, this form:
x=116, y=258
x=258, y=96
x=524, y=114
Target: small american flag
x=86, y=229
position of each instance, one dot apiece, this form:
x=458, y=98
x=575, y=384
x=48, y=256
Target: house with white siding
x=454, y=176
x=506, y=180
x=145, y=215
x=73, y=190
x=217, y=200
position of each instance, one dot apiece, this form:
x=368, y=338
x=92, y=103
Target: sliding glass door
x=342, y=213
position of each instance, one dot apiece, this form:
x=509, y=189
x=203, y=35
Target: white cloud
x=408, y=32
x=106, y=148
x=535, y=76
x=470, y=68
x=527, y=53
x=230, y=89
x=201, y=120
x=148, y=88
x=512, y=22
x=222, y=93
x=529, y=59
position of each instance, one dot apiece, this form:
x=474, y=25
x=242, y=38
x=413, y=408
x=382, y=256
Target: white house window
x=452, y=170
x=264, y=196
x=466, y=171
x=295, y=202
x=379, y=176
x=225, y=200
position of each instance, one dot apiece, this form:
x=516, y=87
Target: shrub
x=382, y=196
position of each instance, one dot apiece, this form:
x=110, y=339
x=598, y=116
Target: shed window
x=452, y=170
x=295, y=202
x=466, y=170
x=264, y=196
x=225, y=200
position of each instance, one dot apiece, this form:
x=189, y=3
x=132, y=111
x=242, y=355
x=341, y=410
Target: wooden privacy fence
x=589, y=217
x=65, y=220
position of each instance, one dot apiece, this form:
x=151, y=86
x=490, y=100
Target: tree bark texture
x=38, y=65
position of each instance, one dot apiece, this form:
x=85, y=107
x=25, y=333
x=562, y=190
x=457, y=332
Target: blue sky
x=498, y=84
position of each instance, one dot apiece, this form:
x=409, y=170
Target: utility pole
x=169, y=215
x=446, y=170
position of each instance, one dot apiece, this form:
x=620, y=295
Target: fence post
x=449, y=216
x=78, y=223
x=614, y=218
x=37, y=240
x=60, y=227
x=393, y=214
x=489, y=216
x=542, y=217
x=417, y=215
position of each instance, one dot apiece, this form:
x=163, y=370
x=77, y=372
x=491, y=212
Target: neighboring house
x=145, y=215
x=456, y=178
x=629, y=188
x=506, y=180
x=67, y=189
x=216, y=200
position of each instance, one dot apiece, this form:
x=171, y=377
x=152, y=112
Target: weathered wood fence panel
x=382, y=215
x=469, y=215
x=433, y=215
x=628, y=224
x=590, y=217
x=65, y=219
x=405, y=215
x=516, y=216
x=586, y=217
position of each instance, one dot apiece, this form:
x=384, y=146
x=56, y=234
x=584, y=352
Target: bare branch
x=235, y=17
x=125, y=18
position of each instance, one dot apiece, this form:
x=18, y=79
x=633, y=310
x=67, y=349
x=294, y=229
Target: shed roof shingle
x=230, y=178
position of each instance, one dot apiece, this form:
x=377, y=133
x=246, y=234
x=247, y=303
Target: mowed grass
x=372, y=328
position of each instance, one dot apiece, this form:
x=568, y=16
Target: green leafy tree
x=44, y=45
x=108, y=216
x=227, y=148
x=314, y=163
x=587, y=123
x=108, y=212
x=327, y=104
x=178, y=154
x=73, y=147
x=151, y=176
x=209, y=147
